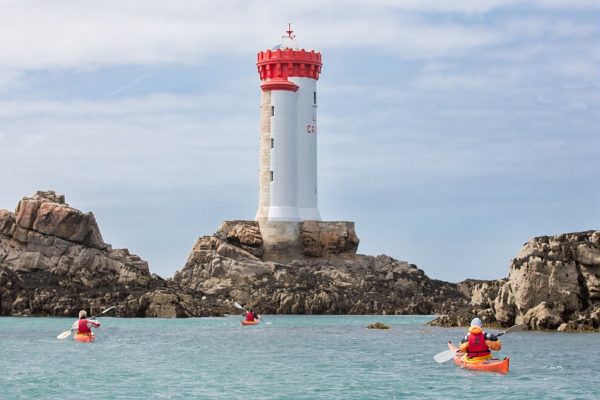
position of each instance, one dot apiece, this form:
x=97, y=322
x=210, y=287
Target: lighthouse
x=288, y=225
x=288, y=138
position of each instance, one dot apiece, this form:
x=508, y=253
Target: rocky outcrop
x=553, y=283
x=53, y=261
x=228, y=266
x=553, y=280
x=48, y=214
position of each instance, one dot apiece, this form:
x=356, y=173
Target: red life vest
x=477, y=346
x=249, y=316
x=83, y=326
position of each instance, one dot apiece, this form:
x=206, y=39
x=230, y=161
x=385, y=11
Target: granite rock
x=329, y=278
x=553, y=283
x=54, y=262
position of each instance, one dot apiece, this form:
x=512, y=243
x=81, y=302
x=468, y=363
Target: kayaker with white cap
x=84, y=326
x=477, y=343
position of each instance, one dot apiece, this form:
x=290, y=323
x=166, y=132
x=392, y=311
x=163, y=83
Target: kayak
x=84, y=337
x=488, y=365
x=253, y=322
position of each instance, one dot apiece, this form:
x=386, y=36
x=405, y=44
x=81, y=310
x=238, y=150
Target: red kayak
x=488, y=365
x=252, y=322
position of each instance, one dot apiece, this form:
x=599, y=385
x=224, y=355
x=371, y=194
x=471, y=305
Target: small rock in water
x=378, y=325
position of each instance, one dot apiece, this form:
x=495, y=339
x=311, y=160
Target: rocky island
x=53, y=262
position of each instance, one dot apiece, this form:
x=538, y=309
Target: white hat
x=82, y=314
x=476, y=322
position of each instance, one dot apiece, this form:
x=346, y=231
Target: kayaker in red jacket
x=84, y=326
x=250, y=316
x=477, y=343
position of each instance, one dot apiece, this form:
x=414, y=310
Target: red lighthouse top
x=275, y=66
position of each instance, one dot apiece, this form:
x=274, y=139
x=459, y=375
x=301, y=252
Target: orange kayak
x=488, y=365
x=253, y=322
x=84, y=337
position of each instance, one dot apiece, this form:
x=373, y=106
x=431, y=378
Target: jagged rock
x=562, y=270
x=242, y=234
x=553, y=283
x=7, y=222
x=543, y=316
x=331, y=284
x=481, y=293
x=47, y=213
x=53, y=261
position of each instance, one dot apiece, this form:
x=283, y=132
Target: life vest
x=477, y=346
x=249, y=316
x=83, y=326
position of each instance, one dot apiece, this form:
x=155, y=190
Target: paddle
x=66, y=334
x=448, y=354
x=514, y=328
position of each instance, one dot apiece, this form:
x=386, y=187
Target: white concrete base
x=280, y=240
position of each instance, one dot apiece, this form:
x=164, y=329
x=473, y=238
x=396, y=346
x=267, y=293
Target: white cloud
x=84, y=35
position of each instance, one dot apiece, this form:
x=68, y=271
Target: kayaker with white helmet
x=84, y=326
x=477, y=343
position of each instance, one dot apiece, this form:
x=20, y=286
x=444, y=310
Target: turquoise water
x=285, y=357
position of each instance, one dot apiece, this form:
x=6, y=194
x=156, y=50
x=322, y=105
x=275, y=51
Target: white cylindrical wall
x=307, y=148
x=283, y=189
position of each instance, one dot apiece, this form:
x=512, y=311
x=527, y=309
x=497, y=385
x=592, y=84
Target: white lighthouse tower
x=288, y=137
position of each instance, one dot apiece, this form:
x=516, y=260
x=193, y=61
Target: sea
x=284, y=357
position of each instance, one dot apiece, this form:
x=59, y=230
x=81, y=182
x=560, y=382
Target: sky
x=449, y=132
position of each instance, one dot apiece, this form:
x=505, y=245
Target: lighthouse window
x=271, y=176
x=272, y=111
x=315, y=98
x=272, y=143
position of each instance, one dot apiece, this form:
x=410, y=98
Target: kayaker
x=84, y=326
x=250, y=316
x=478, y=344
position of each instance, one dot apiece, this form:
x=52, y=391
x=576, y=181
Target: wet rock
x=378, y=325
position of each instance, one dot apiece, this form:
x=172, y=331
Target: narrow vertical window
x=315, y=98
x=271, y=176
x=272, y=143
x=272, y=111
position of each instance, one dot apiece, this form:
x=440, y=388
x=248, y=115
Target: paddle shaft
x=107, y=310
x=514, y=328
